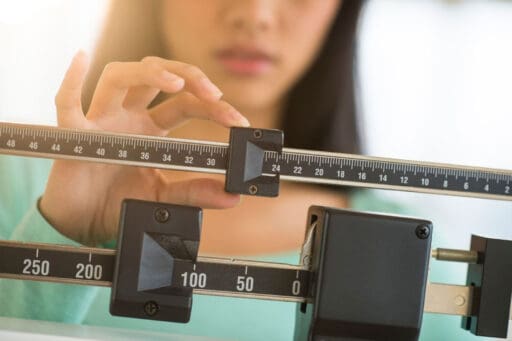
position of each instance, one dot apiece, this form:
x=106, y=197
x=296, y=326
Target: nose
x=251, y=15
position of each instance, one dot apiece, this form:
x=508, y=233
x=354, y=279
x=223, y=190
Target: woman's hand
x=82, y=200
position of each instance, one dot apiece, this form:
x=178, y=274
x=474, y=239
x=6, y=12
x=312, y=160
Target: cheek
x=304, y=31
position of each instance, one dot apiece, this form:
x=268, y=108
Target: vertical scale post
x=369, y=277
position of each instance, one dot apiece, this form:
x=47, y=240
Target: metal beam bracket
x=491, y=277
x=369, y=276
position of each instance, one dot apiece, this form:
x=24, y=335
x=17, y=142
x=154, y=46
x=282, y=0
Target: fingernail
x=81, y=57
x=240, y=119
x=244, y=122
x=211, y=88
x=170, y=77
x=80, y=54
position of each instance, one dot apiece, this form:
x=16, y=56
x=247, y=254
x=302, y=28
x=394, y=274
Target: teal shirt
x=22, y=181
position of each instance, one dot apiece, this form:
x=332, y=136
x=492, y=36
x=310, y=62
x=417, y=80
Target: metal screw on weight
x=161, y=215
x=423, y=231
x=257, y=134
x=151, y=308
x=253, y=189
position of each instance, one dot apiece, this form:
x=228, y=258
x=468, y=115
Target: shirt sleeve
x=22, y=182
x=34, y=228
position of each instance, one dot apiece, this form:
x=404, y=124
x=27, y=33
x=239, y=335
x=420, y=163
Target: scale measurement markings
x=95, y=266
x=56, y=263
x=242, y=278
x=403, y=175
x=291, y=164
x=59, y=143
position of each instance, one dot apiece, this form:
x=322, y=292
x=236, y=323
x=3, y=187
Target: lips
x=246, y=60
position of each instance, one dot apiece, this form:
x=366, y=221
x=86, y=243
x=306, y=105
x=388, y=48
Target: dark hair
x=321, y=111
x=321, y=108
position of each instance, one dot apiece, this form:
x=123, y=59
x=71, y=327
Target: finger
x=139, y=98
x=184, y=106
x=118, y=77
x=206, y=193
x=68, y=99
x=196, y=81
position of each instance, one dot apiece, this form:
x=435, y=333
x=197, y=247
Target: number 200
x=89, y=271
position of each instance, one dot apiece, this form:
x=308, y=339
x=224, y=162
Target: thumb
x=68, y=99
x=206, y=193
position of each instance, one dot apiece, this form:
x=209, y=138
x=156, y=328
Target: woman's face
x=253, y=50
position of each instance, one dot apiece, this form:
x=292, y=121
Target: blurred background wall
x=37, y=41
x=435, y=83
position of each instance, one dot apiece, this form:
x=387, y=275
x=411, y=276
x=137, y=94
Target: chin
x=248, y=96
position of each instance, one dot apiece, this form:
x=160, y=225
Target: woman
x=283, y=64
x=271, y=64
